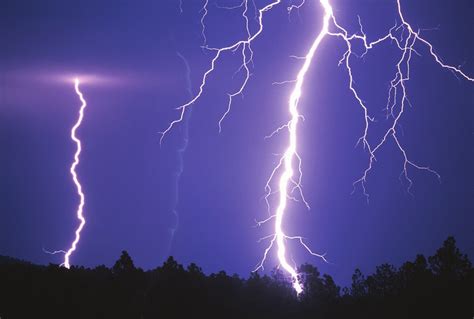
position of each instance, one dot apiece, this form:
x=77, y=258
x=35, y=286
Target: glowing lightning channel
x=404, y=38
x=72, y=170
x=291, y=152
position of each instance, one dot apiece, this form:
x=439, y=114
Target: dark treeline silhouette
x=440, y=286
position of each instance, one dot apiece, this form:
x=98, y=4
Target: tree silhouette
x=385, y=281
x=359, y=285
x=124, y=264
x=440, y=286
x=449, y=261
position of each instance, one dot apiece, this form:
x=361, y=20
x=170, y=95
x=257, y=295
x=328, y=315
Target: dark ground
x=440, y=286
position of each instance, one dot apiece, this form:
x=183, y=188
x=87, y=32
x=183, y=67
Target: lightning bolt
x=72, y=170
x=205, y=11
x=79, y=212
x=288, y=172
x=182, y=149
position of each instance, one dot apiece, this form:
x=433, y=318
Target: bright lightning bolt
x=287, y=161
x=72, y=170
x=289, y=166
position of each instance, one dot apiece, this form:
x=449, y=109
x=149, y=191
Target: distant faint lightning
x=203, y=25
x=404, y=38
x=182, y=148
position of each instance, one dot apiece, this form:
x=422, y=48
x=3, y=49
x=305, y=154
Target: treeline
x=440, y=286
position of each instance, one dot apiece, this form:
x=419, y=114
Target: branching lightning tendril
x=289, y=169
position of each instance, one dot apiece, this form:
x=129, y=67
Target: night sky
x=126, y=52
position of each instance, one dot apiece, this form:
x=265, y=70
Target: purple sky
x=130, y=48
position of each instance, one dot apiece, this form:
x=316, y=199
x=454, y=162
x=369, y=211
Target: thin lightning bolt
x=203, y=25
x=182, y=149
x=72, y=170
x=289, y=165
